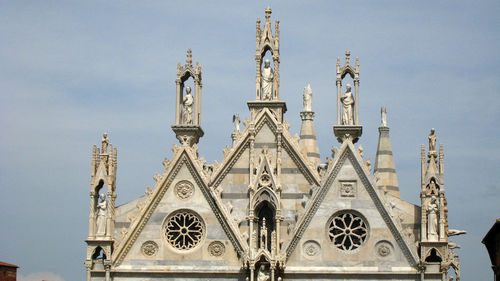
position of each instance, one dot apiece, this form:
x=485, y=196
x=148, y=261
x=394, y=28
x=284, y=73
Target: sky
x=72, y=70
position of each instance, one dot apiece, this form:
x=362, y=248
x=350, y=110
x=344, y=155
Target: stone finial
x=105, y=143
x=189, y=59
x=432, y=141
x=383, y=116
x=268, y=13
x=307, y=98
x=347, y=56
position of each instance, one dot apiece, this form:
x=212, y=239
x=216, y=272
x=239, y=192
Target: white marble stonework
x=271, y=209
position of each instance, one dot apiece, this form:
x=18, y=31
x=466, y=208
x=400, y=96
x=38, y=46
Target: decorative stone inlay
x=184, y=189
x=348, y=189
x=149, y=248
x=184, y=230
x=347, y=231
x=311, y=248
x=383, y=248
x=216, y=248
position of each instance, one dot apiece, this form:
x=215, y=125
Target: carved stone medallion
x=184, y=190
x=149, y=248
x=348, y=189
x=311, y=248
x=383, y=248
x=216, y=248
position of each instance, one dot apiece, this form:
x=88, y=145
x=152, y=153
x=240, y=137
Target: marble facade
x=271, y=209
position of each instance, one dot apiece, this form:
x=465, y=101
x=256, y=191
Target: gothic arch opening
x=99, y=254
x=433, y=257
x=266, y=213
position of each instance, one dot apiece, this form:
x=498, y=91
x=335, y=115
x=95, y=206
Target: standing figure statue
x=383, y=116
x=347, y=106
x=101, y=216
x=432, y=220
x=432, y=141
x=105, y=142
x=267, y=81
x=262, y=274
x=236, y=122
x=187, y=102
x=307, y=94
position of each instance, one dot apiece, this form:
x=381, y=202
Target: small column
x=88, y=266
x=107, y=268
x=307, y=143
x=92, y=215
x=252, y=272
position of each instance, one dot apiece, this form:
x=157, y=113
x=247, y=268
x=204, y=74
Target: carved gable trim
x=299, y=160
x=347, y=151
x=235, y=153
x=181, y=158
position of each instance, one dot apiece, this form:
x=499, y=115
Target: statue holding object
x=187, y=103
x=347, y=101
x=267, y=81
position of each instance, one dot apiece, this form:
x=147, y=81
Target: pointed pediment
x=185, y=163
x=347, y=168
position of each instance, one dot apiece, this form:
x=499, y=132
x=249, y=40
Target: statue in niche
x=267, y=81
x=432, y=220
x=262, y=274
x=187, y=103
x=307, y=94
x=263, y=235
x=347, y=106
x=101, y=216
x=236, y=122
x=432, y=141
x=383, y=113
x=105, y=142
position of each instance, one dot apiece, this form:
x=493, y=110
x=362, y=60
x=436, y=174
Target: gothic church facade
x=271, y=209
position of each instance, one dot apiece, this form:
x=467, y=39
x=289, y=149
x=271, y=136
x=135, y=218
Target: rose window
x=347, y=231
x=184, y=230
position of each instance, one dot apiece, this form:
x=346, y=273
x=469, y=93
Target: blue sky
x=71, y=70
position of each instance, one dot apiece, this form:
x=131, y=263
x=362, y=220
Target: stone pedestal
x=188, y=134
x=277, y=107
x=344, y=132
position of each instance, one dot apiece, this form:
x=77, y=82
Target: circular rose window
x=184, y=230
x=347, y=231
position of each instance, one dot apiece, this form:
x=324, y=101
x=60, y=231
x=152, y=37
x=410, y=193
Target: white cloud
x=46, y=276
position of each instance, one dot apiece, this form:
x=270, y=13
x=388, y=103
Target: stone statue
x=383, y=113
x=432, y=220
x=236, y=122
x=105, y=142
x=307, y=94
x=262, y=274
x=187, y=102
x=432, y=141
x=101, y=216
x=267, y=81
x=263, y=235
x=347, y=106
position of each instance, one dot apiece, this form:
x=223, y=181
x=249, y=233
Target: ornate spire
x=385, y=171
x=187, y=125
x=267, y=77
x=307, y=142
x=348, y=103
x=189, y=59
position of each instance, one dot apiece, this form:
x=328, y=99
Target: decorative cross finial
x=189, y=60
x=347, y=55
x=268, y=13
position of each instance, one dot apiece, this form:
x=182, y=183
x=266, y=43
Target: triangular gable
x=347, y=151
x=264, y=117
x=181, y=157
